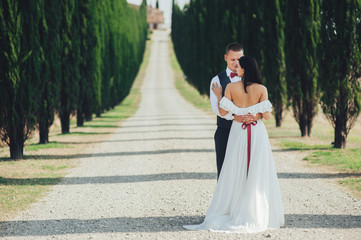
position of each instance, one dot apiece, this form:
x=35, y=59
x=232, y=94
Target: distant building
x=155, y=17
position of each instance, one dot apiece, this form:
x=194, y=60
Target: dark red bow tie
x=233, y=74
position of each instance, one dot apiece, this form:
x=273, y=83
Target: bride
x=247, y=198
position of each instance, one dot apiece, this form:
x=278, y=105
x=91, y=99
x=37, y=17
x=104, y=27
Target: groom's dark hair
x=234, y=47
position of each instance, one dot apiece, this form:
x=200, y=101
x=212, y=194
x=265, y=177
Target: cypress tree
x=90, y=81
x=104, y=33
x=93, y=61
x=83, y=86
x=113, y=60
x=274, y=66
x=20, y=60
x=129, y=45
x=302, y=22
x=340, y=65
x=12, y=128
x=3, y=63
x=253, y=38
x=97, y=78
x=120, y=49
x=127, y=49
x=143, y=26
x=49, y=89
x=70, y=57
x=116, y=45
x=179, y=42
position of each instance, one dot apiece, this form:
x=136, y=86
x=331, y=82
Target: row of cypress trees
x=64, y=57
x=308, y=52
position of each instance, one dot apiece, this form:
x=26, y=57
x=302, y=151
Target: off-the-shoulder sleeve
x=262, y=107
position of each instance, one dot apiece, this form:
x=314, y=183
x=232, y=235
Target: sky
x=164, y=5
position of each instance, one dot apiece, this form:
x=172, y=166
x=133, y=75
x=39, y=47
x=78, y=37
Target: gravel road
x=157, y=172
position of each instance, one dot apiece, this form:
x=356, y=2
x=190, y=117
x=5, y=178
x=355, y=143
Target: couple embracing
x=247, y=198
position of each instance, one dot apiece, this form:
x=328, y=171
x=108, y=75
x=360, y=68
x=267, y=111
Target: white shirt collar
x=234, y=79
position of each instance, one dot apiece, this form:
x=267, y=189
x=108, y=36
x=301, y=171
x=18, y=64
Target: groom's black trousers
x=220, y=140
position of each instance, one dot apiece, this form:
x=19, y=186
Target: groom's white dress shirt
x=213, y=99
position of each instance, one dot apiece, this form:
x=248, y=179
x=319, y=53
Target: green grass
x=353, y=183
x=185, y=89
x=52, y=167
x=17, y=197
x=20, y=182
x=101, y=125
x=83, y=133
x=343, y=159
x=294, y=145
x=105, y=119
x=36, y=146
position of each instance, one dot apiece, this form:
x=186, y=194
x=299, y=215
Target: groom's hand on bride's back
x=239, y=118
x=217, y=90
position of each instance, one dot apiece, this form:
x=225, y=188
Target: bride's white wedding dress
x=244, y=203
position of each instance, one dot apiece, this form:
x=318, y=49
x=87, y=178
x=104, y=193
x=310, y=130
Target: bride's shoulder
x=234, y=85
x=260, y=87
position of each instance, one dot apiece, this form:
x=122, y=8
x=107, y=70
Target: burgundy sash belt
x=248, y=126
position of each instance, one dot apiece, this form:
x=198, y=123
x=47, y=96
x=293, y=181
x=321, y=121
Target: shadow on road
x=150, y=178
x=140, y=140
x=111, y=154
x=154, y=224
x=109, y=179
x=169, y=124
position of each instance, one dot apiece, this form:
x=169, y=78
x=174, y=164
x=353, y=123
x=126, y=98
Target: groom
x=234, y=51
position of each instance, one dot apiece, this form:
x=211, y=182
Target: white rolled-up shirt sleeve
x=214, y=101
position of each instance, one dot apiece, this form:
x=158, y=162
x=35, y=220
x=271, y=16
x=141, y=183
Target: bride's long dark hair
x=251, y=71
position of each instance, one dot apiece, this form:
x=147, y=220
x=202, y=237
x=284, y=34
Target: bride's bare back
x=256, y=93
